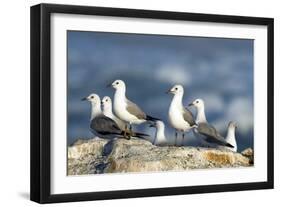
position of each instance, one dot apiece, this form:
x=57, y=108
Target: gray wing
x=133, y=109
x=211, y=134
x=104, y=125
x=187, y=115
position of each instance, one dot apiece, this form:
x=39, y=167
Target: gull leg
x=125, y=132
x=130, y=131
x=182, y=138
x=176, y=135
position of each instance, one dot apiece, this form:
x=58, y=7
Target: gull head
x=118, y=84
x=197, y=103
x=157, y=124
x=176, y=89
x=232, y=125
x=93, y=98
x=106, y=102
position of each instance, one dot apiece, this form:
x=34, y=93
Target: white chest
x=120, y=108
x=160, y=141
x=176, y=119
x=108, y=114
x=119, y=105
x=122, y=113
x=160, y=137
x=230, y=138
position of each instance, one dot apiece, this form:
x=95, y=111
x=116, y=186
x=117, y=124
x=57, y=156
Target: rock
x=137, y=155
x=249, y=153
x=84, y=156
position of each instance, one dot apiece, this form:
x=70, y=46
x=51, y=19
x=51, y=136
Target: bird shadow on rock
x=108, y=147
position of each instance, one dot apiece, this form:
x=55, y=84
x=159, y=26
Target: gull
x=180, y=118
x=160, y=139
x=230, y=136
x=208, y=134
x=103, y=126
x=107, y=111
x=125, y=109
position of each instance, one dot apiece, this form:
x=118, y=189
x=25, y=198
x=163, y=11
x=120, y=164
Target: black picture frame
x=41, y=99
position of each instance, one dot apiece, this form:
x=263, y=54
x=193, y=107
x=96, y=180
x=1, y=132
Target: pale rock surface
x=137, y=155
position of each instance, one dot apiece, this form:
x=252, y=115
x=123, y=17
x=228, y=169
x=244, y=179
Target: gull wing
x=188, y=117
x=133, y=109
x=211, y=134
x=105, y=125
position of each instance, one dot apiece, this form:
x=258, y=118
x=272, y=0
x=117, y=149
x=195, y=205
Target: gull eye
x=197, y=101
x=92, y=97
x=117, y=83
x=176, y=89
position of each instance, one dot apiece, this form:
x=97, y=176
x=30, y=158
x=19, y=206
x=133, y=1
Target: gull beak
x=169, y=91
x=191, y=104
x=109, y=85
x=84, y=99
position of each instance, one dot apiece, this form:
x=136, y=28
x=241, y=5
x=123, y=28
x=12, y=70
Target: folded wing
x=212, y=135
x=105, y=125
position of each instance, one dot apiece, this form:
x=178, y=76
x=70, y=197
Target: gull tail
x=140, y=135
x=127, y=135
x=150, y=118
x=229, y=145
x=225, y=143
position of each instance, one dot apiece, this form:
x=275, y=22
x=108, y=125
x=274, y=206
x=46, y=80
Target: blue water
x=220, y=71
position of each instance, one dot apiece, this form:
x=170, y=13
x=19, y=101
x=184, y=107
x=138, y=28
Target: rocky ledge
x=135, y=155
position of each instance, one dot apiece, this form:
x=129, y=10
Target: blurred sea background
x=218, y=70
